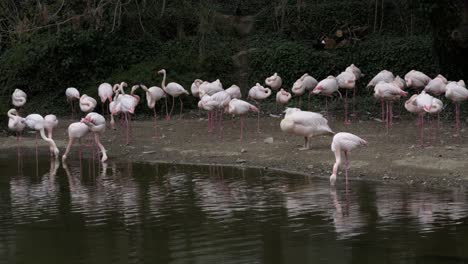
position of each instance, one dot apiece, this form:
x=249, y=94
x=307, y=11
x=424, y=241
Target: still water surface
x=140, y=213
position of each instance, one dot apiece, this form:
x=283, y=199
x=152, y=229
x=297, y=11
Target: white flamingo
x=153, y=95
x=258, y=93
x=36, y=122
x=195, y=88
x=346, y=80
x=303, y=84
x=16, y=124
x=457, y=92
x=97, y=125
x=304, y=123
x=274, y=81
x=240, y=108
x=416, y=79
x=76, y=130
x=343, y=143
x=174, y=90
x=72, y=95
x=87, y=103
x=18, y=98
x=234, y=91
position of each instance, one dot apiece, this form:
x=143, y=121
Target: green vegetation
x=47, y=46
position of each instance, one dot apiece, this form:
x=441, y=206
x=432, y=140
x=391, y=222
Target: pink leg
x=242, y=126
x=326, y=107
x=386, y=116
x=172, y=107
x=354, y=102
x=346, y=168
x=457, y=116
x=18, y=143
x=168, y=117
x=155, y=123
x=422, y=129
x=127, y=129
x=346, y=120
x=221, y=123
x=258, y=118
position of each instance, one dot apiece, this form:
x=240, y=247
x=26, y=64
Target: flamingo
x=126, y=104
x=174, y=90
x=222, y=99
x=209, y=105
x=436, y=107
x=16, y=125
x=436, y=86
x=36, y=122
x=416, y=79
x=412, y=106
x=358, y=74
x=114, y=106
x=195, y=88
x=346, y=80
x=385, y=76
x=105, y=92
x=234, y=91
x=388, y=93
x=240, y=108
x=72, y=95
x=96, y=124
x=457, y=92
x=282, y=97
x=326, y=87
x=50, y=122
x=87, y=103
x=258, y=93
x=153, y=95
x=210, y=88
x=18, y=98
x=274, y=81
x=344, y=142
x=303, y=84
x=76, y=130
x=304, y=123
x=424, y=101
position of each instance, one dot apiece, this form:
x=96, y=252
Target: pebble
x=243, y=150
x=241, y=161
x=148, y=152
x=268, y=140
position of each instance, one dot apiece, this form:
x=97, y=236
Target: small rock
x=243, y=150
x=148, y=152
x=275, y=116
x=377, y=119
x=241, y=161
x=386, y=177
x=310, y=166
x=268, y=140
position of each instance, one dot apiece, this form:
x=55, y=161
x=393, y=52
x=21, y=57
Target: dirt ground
x=396, y=157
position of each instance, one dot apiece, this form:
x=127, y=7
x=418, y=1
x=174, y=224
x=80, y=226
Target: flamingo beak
x=427, y=108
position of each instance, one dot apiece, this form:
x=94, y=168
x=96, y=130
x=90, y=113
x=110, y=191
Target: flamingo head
x=163, y=71
x=317, y=90
x=87, y=120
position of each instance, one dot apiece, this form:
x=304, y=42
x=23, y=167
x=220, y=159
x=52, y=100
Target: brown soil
x=393, y=157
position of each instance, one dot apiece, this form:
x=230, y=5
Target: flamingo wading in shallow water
x=72, y=95
x=16, y=124
x=76, y=130
x=343, y=143
x=174, y=90
x=36, y=122
x=97, y=125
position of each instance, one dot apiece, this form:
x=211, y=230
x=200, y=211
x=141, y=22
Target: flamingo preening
x=18, y=98
x=304, y=84
x=195, y=88
x=304, y=123
x=274, y=81
x=234, y=91
x=343, y=143
x=106, y=93
x=174, y=90
x=36, y=122
x=16, y=124
x=96, y=124
x=436, y=86
x=382, y=76
x=87, y=103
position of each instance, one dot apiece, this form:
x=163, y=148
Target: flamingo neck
x=163, y=83
x=50, y=141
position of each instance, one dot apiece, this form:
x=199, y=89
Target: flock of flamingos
x=216, y=100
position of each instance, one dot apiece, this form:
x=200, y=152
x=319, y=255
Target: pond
x=87, y=212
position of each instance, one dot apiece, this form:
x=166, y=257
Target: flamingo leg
x=172, y=107
x=101, y=147
x=346, y=120
x=181, y=107
x=346, y=167
x=258, y=117
x=69, y=146
x=18, y=143
x=354, y=101
x=127, y=130
x=457, y=116
x=382, y=106
x=241, y=126
x=326, y=107
x=155, y=122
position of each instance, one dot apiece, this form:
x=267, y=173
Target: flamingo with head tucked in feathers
x=87, y=103
x=72, y=95
x=234, y=91
x=105, y=93
x=436, y=86
x=240, y=108
x=457, y=92
x=304, y=84
x=327, y=87
x=346, y=80
x=274, y=81
x=416, y=79
x=18, y=98
x=259, y=93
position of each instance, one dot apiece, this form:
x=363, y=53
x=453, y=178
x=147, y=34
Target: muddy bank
x=395, y=157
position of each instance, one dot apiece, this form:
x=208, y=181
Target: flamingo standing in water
x=326, y=87
x=153, y=95
x=258, y=93
x=240, y=108
x=126, y=104
x=105, y=92
x=304, y=123
x=346, y=80
x=174, y=90
x=36, y=122
x=50, y=122
x=87, y=103
x=282, y=97
x=76, y=130
x=456, y=92
x=16, y=125
x=343, y=143
x=97, y=125
x=18, y=98
x=416, y=79
x=72, y=95
x=274, y=81
x=303, y=84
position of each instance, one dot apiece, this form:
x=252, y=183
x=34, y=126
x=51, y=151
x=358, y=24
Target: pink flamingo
x=346, y=80
x=195, y=88
x=456, y=92
x=76, y=130
x=222, y=100
x=50, y=122
x=258, y=93
x=96, y=124
x=358, y=74
x=240, y=108
x=87, y=103
x=416, y=79
x=282, y=97
x=383, y=76
x=126, y=103
x=18, y=98
x=210, y=88
x=303, y=84
x=344, y=142
x=388, y=93
x=174, y=90
x=16, y=125
x=436, y=86
x=72, y=95
x=105, y=92
x=36, y=122
x=274, y=81
x=209, y=105
x=153, y=95
x=419, y=104
x=114, y=106
x=304, y=123
x=234, y=91
x=326, y=87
